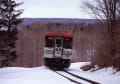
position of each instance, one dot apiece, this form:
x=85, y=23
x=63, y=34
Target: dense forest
x=90, y=42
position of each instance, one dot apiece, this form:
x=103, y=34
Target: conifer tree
x=8, y=31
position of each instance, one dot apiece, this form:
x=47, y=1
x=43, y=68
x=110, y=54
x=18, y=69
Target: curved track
x=75, y=76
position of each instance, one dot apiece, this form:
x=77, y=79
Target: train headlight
x=67, y=53
x=49, y=52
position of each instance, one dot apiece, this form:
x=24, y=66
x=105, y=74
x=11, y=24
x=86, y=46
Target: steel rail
x=74, y=81
x=79, y=77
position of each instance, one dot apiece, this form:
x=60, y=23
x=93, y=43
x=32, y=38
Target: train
x=58, y=49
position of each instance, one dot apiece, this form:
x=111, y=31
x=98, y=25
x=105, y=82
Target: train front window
x=49, y=42
x=58, y=42
x=67, y=43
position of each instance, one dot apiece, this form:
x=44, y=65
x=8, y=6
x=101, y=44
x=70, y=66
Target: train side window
x=49, y=42
x=67, y=43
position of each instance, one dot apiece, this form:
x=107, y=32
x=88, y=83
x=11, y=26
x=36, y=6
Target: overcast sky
x=53, y=9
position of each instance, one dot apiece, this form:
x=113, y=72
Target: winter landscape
x=59, y=41
x=43, y=75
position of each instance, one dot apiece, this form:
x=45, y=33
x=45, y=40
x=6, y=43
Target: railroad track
x=75, y=78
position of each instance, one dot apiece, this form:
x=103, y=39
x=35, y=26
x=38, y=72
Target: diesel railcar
x=58, y=49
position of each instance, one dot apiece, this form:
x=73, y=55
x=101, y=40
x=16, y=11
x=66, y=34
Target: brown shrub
x=87, y=67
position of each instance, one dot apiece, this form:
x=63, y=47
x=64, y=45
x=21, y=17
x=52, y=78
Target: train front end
x=58, y=49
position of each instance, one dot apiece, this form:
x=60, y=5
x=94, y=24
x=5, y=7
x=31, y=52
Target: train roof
x=54, y=34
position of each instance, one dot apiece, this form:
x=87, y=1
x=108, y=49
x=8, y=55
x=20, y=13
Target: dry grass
x=87, y=67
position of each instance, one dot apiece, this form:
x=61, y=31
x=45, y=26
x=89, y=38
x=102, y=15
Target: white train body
x=58, y=49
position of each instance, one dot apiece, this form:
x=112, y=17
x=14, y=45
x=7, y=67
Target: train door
x=58, y=47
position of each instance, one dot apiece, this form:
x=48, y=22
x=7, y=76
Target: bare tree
x=107, y=11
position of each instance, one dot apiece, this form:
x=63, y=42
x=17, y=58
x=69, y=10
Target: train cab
x=58, y=49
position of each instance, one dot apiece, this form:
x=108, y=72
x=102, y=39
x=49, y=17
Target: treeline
x=90, y=42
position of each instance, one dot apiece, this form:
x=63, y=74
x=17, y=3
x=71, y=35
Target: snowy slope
x=103, y=76
x=42, y=75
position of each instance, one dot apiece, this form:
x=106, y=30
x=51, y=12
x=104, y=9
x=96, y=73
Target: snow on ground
x=39, y=75
x=42, y=75
x=103, y=76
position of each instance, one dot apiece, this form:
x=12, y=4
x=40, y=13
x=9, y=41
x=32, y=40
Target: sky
x=53, y=9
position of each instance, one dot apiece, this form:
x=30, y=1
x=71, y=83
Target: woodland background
x=90, y=42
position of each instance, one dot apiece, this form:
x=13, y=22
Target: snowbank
x=43, y=75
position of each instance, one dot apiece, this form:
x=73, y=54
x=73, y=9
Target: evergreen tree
x=8, y=31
